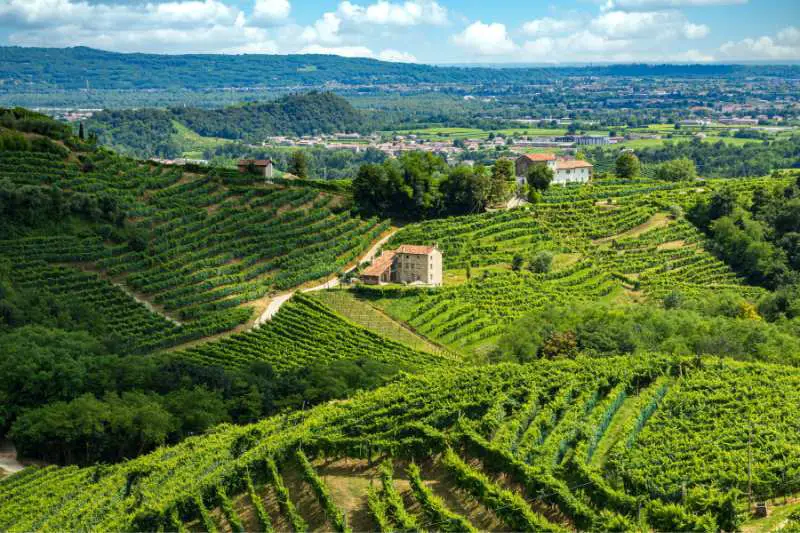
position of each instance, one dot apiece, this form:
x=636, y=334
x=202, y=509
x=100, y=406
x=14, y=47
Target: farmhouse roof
x=380, y=265
x=574, y=163
x=540, y=157
x=415, y=249
x=254, y=162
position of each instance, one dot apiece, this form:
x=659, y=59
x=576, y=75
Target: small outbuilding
x=262, y=167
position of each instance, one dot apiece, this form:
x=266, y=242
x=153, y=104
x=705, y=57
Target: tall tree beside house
x=298, y=164
x=539, y=178
x=465, y=190
x=502, y=179
x=681, y=169
x=627, y=166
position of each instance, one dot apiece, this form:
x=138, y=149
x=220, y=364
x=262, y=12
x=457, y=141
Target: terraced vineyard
x=206, y=244
x=303, y=334
x=505, y=447
x=627, y=246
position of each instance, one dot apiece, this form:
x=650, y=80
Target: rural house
x=564, y=170
x=408, y=264
x=262, y=167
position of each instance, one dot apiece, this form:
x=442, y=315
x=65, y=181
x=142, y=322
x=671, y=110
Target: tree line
x=419, y=185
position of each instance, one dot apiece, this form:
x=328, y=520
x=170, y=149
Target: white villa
x=564, y=170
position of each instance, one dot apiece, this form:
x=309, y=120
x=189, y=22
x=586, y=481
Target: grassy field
x=361, y=312
x=194, y=144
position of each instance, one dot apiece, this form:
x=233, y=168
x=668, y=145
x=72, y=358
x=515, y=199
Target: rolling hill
x=556, y=446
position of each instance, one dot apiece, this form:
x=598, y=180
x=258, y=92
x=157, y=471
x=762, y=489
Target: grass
x=361, y=312
x=194, y=144
x=773, y=522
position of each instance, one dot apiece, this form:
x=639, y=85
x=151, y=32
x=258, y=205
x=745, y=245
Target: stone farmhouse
x=262, y=167
x=408, y=264
x=564, y=170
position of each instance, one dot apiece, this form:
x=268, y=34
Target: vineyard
x=634, y=244
x=306, y=333
x=604, y=444
x=200, y=247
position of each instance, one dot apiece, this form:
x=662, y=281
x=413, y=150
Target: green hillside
x=508, y=445
x=166, y=132
x=620, y=356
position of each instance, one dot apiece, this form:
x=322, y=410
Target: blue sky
x=426, y=31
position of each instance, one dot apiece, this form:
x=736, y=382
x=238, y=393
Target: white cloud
x=396, y=56
x=359, y=51
x=55, y=13
x=695, y=31
x=410, y=13
x=785, y=45
x=324, y=30
x=790, y=35
x=647, y=24
x=271, y=11
x=344, y=51
x=550, y=26
x=165, y=27
x=658, y=4
x=693, y=56
x=485, y=39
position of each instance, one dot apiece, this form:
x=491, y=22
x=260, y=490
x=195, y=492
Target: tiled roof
x=380, y=265
x=540, y=157
x=415, y=249
x=574, y=163
x=254, y=162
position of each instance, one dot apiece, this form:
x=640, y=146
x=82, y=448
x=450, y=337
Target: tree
x=465, y=190
x=516, y=262
x=681, y=169
x=541, y=262
x=298, y=164
x=502, y=179
x=81, y=132
x=627, y=166
x=539, y=178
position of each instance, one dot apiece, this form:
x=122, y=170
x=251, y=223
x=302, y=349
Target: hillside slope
x=71, y=68
x=507, y=445
x=147, y=132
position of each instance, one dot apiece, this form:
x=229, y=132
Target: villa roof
x=540, y=157
x=415, y=249
x=254, y=162
x=380, y=265
x=572, y=163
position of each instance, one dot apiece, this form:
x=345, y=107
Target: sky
x=423, y=31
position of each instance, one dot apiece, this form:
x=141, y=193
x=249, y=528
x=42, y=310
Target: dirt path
x=516, y=201
x=8, y=458
x=659, y=220
x=86, y=267
x=277, y=302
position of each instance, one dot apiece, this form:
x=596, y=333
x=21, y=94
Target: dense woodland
x=718, y=160
x=152, y=132
x=70, y=68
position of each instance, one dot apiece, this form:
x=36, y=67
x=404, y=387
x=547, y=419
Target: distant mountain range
x=43, y=69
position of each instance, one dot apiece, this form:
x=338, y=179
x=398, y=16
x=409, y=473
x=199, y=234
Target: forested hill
x=146, y=132
x=24, y=69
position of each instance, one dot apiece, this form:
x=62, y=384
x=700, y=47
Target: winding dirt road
x=277, y=301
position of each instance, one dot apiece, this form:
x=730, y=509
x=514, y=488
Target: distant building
x=739, y=121
x=524, y=162
x=572, y=171
x=262, y=167
x=408, y=264
x=564, y=170
x=584, y=140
